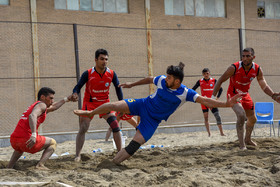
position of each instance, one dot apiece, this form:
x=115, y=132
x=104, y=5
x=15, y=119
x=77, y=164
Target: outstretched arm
x=147, y=80
x=227, y=74
x=266, y=88
x=212, y=103
x=58, y=104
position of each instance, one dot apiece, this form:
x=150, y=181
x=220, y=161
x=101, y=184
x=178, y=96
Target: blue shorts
x=148, y=125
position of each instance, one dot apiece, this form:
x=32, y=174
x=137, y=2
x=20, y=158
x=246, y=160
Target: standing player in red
x=241, y=74
x=25, y=137
x=98, y=80
x=206, y=86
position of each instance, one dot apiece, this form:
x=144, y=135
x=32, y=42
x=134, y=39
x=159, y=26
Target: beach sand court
x=186, y=159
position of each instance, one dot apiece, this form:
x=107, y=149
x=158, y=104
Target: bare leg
x=15, y=156
x=251, y=120
x=118, y=140
x=50, y=146
x=123, y=155
x=80, y=139
x=119, y=106
x=116, y=135
x=132, y=122
x=221, y=129
x=240, y=114
x=108, y=134
x=216, y=114
x=206, y=122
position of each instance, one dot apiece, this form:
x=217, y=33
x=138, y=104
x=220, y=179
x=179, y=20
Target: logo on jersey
x=131, y=100
x=100, y=91
x=251, y=78
x=211, y=85
x=107, y=84
x=244, y=84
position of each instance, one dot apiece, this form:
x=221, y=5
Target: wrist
x=34, y=134
x=274, y=95
x=65, y=99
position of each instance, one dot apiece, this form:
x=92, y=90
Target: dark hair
x=249, y=49
x=205, y=70
x=45, y=91
x=99, y=52
x=176, y=71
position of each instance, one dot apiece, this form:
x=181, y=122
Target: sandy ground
x=186, y=159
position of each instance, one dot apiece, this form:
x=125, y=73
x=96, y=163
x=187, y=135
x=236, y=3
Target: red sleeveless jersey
x=207, y=86
x=241, y=80
x=97, y=86
x=23, y=129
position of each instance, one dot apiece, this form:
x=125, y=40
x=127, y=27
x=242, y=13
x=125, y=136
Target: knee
x=83, y=127
x=112, y=121
x=83, y=130
x=252, y=119
x=241, y=117
x=53, y=144
x=206, y=118
x=218, y=118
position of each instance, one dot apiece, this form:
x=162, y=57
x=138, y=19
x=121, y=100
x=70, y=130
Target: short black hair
x=249, y=49
x=205, y=70
x=176, y=71
x=45, y=91
x=99, y=52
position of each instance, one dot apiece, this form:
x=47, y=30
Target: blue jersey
x=165, y=101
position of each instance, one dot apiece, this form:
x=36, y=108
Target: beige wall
x=199, y=42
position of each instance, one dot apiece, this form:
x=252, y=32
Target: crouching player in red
x=25, y=137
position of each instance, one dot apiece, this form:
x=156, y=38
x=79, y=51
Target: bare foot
x=83, y=113
x=41, y=167
x=223, y=135
x=250, y=142
x=243, y=148
x=77, y=159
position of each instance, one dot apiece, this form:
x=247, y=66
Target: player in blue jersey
x=170, y=94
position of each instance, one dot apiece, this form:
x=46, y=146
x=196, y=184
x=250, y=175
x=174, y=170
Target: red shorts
x=93, y=105
x=203, y=107
x=246, y=101
x=19, y=144
x=124, y=117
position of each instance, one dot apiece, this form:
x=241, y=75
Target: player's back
x=165, y=101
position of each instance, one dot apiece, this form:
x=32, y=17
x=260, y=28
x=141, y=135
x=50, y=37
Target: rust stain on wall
x=149, y=43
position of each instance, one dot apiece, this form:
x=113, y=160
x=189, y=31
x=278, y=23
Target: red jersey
x=97, y=86
x=23, y=129
x=207, y=86
x=241, y=80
